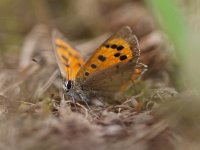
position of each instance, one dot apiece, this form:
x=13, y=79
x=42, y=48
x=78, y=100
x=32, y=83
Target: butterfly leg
x=85, y=101
x=73, y=100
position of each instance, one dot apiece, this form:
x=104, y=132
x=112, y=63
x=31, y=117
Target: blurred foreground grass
x=184, y=37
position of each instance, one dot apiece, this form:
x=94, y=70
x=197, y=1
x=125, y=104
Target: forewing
x=111, y=66
x=69, y=60
x=120, y=48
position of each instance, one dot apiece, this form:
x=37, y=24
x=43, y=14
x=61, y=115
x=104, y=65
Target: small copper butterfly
x=105, y=73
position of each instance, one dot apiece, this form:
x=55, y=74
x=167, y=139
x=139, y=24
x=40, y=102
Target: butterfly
x=105, y=73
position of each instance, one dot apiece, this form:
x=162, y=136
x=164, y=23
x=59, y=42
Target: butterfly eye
x=67, y=85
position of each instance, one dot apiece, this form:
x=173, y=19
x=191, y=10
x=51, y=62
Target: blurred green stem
x=183, y=37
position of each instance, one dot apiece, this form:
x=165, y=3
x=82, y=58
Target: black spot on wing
x=76, y=56
x=65, y=58
x=93, y=66
x=87, y=74
x=120, y=47
x=123, y=57
x=117, y=54
x=62, y=46
x=113, y=46
x=67, y=65
x=102, y=58
x=107, y=45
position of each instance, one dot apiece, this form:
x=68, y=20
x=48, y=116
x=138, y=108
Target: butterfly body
x=110, y=67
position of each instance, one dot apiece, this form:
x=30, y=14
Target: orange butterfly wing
x=110, y=67
x=122, y=47
x=69, y=60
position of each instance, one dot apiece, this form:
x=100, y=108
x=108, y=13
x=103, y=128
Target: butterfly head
x=73, y=91
x=68, y=85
